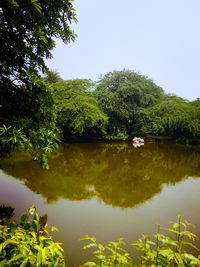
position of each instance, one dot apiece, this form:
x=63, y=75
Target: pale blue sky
x=159, y=39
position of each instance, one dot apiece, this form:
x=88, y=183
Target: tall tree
x=27, y=32
x=120, y=94
x=28, y=29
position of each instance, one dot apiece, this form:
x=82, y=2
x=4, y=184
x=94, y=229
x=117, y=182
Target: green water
x=109, y=190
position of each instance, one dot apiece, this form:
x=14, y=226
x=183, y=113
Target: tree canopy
x=121, y=93
x=77, y=109
x=123, y=104
x=27, y=32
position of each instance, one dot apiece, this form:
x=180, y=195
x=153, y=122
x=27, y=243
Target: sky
x=158, y=39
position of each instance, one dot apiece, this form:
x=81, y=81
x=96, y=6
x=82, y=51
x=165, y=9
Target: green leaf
x=89, y=246
x=90, y=264
x=54, y=229
x=36, y=5
x=3, y=263
x=15, y=258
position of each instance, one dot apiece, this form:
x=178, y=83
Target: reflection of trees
x=116, y=173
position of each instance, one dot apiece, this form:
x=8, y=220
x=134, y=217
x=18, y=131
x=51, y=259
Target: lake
x=105, y=189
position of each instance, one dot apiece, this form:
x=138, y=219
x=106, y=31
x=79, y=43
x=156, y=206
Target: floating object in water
x=138, y=139
x=138, y=142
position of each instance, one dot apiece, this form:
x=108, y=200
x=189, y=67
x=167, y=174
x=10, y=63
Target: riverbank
x=149, y=139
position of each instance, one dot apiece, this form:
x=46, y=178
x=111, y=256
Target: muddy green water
x=110, y=190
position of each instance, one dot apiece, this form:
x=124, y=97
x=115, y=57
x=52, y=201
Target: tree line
x=123, y=104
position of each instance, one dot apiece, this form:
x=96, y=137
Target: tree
x=172, y=117
x=120, y=94
x=33, y=126
x=135, y=89
x=27, y=31
x=52, y=76
x=195, y=121
x=78, y=112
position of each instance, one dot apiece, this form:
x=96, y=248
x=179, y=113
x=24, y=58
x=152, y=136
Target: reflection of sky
x=159, y=39
x=76, y=218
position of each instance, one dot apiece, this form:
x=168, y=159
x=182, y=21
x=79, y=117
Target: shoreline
x=147, y=139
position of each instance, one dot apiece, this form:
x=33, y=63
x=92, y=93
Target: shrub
x=29, y=243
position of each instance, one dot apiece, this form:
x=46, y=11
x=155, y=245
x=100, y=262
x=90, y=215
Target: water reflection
x=116, y=173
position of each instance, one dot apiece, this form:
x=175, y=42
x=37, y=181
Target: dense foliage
x=28, y=29
x=173, y=117
x=78, y=112
x=121, y=105
x=120, y=94
x=29, y=243
x=135, y=105
x=32, y=126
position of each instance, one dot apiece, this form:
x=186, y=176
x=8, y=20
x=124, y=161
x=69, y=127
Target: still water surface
x=110, y=190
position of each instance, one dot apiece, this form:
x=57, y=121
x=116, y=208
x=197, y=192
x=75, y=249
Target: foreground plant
x=111, y=254
x=162, y=250
x=29, y=243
